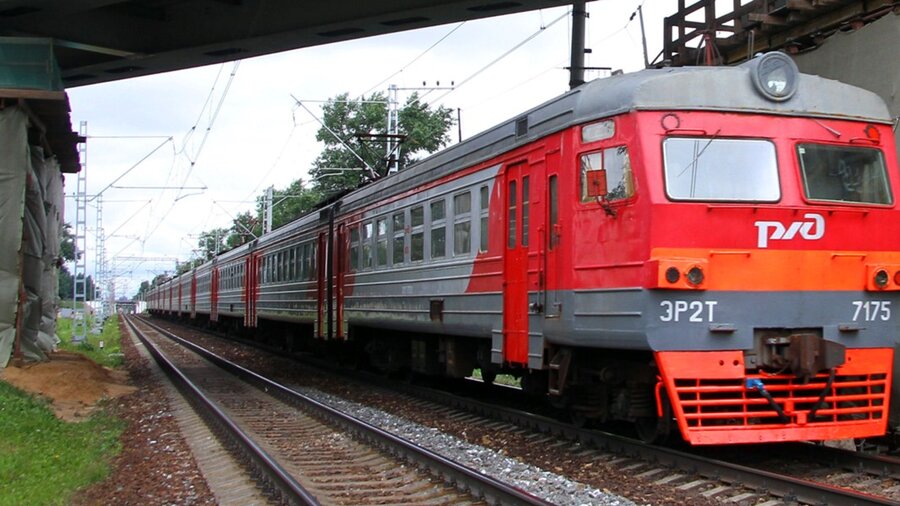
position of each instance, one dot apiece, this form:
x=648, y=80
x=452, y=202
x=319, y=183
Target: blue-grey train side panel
x=666, y=320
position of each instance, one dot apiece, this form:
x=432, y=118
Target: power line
x=502, y=56
x=116, y=180
x=423, y=53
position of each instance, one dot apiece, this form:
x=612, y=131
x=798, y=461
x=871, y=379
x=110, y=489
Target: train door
x=322, y=285
x=214, y=294
x=341, y=244
x=515, y=263
x=552, y=261
x=251, y=288
x=193, y=301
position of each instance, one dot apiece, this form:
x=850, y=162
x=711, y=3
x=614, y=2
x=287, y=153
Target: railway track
x=712, y=475
x=315, y=454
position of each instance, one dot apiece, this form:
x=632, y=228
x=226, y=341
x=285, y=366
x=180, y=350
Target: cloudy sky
x=235, y=129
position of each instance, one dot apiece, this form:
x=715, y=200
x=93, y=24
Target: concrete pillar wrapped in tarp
x=52, y=184
x=14, y=161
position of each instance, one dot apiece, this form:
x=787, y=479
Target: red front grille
x=716, y=401
x=708, y=403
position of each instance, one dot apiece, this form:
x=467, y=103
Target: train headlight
x=775, y=76
x=881, y=278
x=695, y=275
x=672, y=275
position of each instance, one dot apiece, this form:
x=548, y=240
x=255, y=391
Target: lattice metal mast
x=79, y=274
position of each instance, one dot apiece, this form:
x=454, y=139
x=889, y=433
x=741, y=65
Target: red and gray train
x=714, y=250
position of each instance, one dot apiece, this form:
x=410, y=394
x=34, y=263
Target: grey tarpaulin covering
x=14, y=160
x=25, y=180
x=52, y=184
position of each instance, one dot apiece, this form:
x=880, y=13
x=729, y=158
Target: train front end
x=774, y=262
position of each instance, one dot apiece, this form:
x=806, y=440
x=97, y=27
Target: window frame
x=601, y=149
x=435, y=225
x=462, y=218
x=803, y=180
x=484, y=208
x=774, y=152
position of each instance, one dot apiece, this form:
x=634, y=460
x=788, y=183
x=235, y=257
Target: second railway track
x=306, y=459
x=713, y=479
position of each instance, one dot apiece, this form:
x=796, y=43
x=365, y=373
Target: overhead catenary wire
x=417, y=58
x=214, y=115
x=501, y=57
x=116, y=180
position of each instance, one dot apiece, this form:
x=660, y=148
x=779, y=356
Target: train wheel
x=654, y=429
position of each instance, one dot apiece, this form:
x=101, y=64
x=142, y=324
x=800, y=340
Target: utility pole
x=79, y=274
x=267, y=219
x=100, y=274
x=579, y=20
x=643, y=36
x=392, y=144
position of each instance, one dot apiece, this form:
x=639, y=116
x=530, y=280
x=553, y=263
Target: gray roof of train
x=680, y=88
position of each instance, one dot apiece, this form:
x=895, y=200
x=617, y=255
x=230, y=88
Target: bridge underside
x=105, y=40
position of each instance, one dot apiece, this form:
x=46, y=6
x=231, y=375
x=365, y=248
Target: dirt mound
x=73, y=383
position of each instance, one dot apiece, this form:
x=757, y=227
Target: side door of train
x=522, y=263
x=330, y=271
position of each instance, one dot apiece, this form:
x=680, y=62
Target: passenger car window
x=844, y=174
x=462, y=216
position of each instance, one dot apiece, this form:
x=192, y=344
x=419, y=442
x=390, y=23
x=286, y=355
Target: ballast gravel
x=549, y=486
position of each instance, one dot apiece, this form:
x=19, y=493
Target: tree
x=142, y=290
x=425, y=130
x=291, y=203
x=213, y=242
x=245, y=226
x=67, y=287
x=67, y=243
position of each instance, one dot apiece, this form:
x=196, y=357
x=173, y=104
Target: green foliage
x=245, y=226
x=425, y=130
x=66, y=288
x=187, y=266
x=290, y=203
x=142, y=290
x=212, y=242
x=110, y=355
x=44, y=460
x=67, y=243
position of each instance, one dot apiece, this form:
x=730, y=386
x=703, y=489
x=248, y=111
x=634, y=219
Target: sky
x=189, y=150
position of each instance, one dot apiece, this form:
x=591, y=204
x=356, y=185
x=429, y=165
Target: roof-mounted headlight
x=775, y=75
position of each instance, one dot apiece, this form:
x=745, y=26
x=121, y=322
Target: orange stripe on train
x=774, y=270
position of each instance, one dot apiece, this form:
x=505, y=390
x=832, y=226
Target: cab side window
x=619, y=177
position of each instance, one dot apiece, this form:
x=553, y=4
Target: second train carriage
x=713, y=246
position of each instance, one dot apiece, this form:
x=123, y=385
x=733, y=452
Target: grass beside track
x=44, y=460
x=110, y=355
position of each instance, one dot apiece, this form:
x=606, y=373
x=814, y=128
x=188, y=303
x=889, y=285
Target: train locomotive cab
x=734, y=260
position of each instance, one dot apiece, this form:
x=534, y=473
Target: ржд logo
x=812, y=228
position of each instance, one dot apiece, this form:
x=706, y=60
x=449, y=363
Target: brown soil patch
x=73, y=383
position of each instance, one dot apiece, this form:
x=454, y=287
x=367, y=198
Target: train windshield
x=706, y=168
x=844, y=174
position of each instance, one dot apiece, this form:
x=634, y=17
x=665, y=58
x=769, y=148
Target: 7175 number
x=871, y=310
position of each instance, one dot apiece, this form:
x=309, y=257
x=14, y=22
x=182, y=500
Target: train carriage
x=714, y=248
